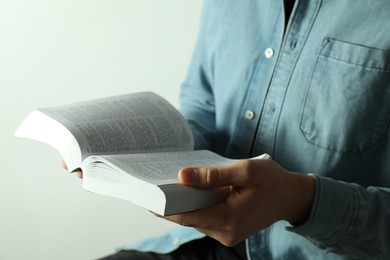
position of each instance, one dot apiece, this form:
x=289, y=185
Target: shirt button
x=249, y=114
x=269, y=52
x=176, y=241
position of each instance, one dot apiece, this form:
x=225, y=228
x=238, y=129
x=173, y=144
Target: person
x=307, y=82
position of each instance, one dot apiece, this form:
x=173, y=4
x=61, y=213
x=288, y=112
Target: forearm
x=349, y=220
x=197, y=107
x=197, y=102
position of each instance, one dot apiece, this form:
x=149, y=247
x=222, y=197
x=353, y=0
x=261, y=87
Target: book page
x=133, y=123
x=40, y=127
x=150, y=180
x=161, y=168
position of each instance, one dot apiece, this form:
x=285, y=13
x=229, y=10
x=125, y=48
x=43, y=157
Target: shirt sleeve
x=196, y=96
x=359, y=226
x=165, y=243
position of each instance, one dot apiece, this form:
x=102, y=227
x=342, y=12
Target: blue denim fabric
x=167, y=242
x=315, y=95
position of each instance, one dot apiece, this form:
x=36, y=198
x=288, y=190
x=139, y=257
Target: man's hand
x=261, y=193
x=78, y=173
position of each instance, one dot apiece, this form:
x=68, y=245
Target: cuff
x=333, y=215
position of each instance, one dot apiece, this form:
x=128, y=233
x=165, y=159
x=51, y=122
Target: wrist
x=299, y=198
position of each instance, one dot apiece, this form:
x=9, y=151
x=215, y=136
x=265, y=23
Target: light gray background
x=54, y=52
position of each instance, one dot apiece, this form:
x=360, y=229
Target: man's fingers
x=214, y=222
x=205, y=177
x=208, y=218
x=212, y=177
x=63, y=164
x=78, y=172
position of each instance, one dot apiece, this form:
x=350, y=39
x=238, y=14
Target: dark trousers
x=201, y=249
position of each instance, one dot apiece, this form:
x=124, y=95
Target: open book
x=130, y=147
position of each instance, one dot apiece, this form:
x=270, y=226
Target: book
x=129, y=147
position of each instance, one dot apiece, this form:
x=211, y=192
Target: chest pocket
x=347, y=102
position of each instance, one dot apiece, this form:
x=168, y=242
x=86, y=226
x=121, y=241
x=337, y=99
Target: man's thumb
x=205, y=177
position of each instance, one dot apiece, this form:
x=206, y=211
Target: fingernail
x=186, y=175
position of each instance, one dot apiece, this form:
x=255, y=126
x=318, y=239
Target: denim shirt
x=315, y=95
